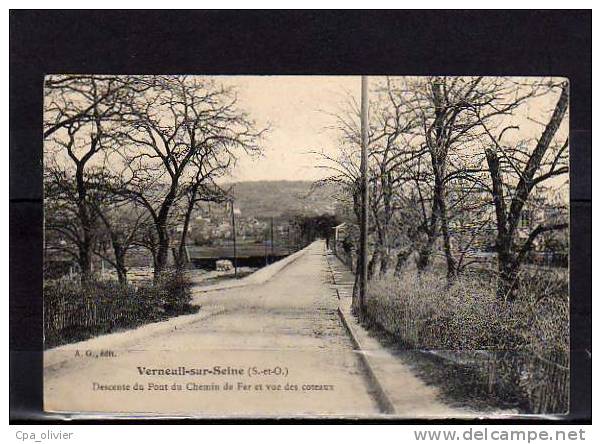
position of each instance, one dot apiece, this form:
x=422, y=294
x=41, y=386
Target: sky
x=296, y=109
x=299, y=112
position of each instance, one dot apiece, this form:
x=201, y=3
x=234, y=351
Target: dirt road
x=277, y=348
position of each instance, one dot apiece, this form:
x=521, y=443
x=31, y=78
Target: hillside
x=276, y=198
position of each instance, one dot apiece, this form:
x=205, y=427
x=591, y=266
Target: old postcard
x=306, y=246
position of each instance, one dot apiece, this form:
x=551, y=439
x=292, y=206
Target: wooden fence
x=542, y=382
x=67, y=320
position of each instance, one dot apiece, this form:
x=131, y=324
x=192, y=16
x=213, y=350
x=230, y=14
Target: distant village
x=213, y=229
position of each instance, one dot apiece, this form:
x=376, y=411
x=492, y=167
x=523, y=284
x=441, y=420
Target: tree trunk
x=384, y=235
x=122, y=277
x=86, y=220
x=446, y=237
x=508, y=280
x=384, y=246
x=425, y=253
x=181, y=259
x=162, y=252
x=162, y=232
x=120, y=263
x=384, y=264
x=86, y=244
x=371, y=265
x=85, y=260
x=509, y=261
x=153, y=252
x=401, y=259
x=438, y=147
x=441, y=207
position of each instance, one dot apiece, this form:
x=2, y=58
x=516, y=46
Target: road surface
x=278, y=348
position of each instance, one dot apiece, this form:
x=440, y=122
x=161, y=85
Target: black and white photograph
x=299, y=225
x=313, y=246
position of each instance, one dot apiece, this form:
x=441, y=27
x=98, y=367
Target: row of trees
x=129, y=157
x=452, y=159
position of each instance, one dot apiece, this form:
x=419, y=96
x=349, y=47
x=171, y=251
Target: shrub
x=174, y=288
x=526, y=342
x=74, y=311
x=427, y=313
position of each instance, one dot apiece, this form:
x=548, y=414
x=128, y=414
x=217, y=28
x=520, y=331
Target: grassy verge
x=514, y=353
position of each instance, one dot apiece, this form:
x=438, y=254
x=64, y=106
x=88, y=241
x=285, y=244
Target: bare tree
x=428, y=176
x=394, y=128
x=76, y=110
x=450, y=111
x=195, y=193
x=62, y=219
x=515, y=170
x=171, y=127
x=120, y=230
x=391, y=126
x=75, y=99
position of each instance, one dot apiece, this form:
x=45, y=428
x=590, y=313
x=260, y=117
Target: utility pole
x=265, y=246
x=365, y=194
x=234, y=239
x=272, y=251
